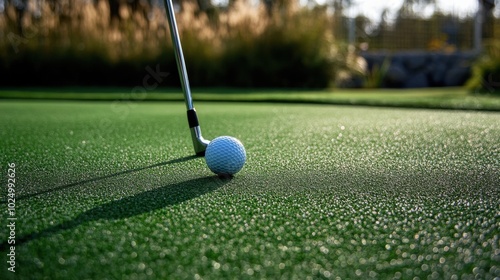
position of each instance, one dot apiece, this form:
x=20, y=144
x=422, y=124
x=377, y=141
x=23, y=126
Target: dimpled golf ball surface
x=225, y=155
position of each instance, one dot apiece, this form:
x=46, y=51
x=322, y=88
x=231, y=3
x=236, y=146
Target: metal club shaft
x=199, y=143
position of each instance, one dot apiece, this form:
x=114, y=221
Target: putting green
x=109, y=190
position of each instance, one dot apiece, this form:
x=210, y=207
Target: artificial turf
x=437, y=98
x=109, y=190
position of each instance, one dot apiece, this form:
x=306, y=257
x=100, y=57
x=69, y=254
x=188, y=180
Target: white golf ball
x=225, y=155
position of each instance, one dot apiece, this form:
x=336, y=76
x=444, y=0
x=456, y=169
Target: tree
x=20, y=7
x=413, y=8
x=136, y=6
x=272, y=5
x=488, y=18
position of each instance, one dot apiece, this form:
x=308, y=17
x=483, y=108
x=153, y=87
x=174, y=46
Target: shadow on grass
x=138, y=204
x=179, y=160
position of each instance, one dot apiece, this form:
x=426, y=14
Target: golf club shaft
x=179, y=56
x=199, y=142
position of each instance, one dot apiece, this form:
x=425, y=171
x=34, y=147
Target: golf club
x=199, y=143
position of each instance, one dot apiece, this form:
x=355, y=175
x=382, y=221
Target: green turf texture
x=109, y=190
x=436, y=98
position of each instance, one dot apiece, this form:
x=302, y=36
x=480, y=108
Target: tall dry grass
x=237, y=47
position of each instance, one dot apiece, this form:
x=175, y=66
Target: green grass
x=109, y=190
x=436, y=98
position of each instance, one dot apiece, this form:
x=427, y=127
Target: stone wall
x=423, y=69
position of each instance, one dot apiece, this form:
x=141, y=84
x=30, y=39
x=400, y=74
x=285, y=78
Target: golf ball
x=225, y=155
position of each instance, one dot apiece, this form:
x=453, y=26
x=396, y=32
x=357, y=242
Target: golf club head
x=199, y=143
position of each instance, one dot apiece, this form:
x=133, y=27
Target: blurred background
x=253, y=43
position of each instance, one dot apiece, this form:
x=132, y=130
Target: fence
x=449, y=30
